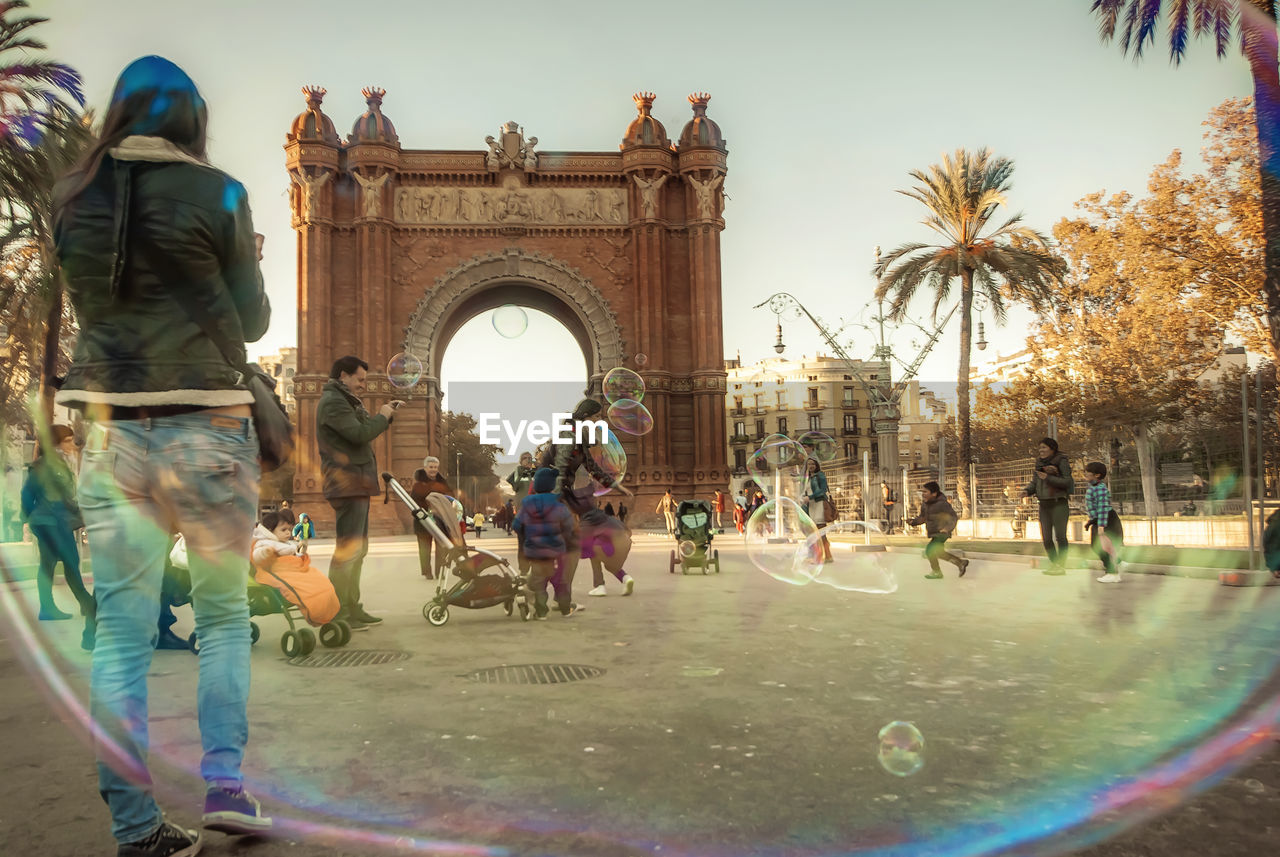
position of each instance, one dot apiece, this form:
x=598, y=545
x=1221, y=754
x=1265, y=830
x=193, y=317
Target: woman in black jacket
x=1051, y=484
x=160, y=260
x=50, y=509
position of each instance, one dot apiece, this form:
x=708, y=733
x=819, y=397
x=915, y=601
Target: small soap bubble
x=622, y=383
x=641, y=359
x=630, y=417
x=776, y=536
x=510, y=321
x=901, y=748
x=404, y=370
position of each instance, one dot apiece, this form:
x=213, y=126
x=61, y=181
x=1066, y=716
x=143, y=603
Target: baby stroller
x=483, y=579
x=299, y=641
x=693, y=538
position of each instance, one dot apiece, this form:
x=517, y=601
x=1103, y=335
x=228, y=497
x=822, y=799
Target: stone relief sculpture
x=310, y=189
x=649, y=193
x=371, y=193
x=553, y=206
x=706, y=195
x=511, y=150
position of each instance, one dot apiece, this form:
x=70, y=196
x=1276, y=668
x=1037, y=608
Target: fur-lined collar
x=139, y=148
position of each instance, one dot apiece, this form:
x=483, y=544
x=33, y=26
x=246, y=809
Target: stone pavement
x=734, y=715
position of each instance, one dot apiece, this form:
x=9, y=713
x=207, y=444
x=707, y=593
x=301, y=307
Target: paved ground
x=735, y=715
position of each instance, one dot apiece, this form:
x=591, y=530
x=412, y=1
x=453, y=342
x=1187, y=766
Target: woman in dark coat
x=49, y=507
x=1052, y=485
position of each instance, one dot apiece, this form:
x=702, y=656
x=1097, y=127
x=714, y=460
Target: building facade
x=283, y=366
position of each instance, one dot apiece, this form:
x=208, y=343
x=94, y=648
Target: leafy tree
x=1001, y=264
x=41, y=136
x=477, y=477
x=1254, y=22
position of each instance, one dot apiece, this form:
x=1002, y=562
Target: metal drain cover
x=535, y=674
x=350, y=658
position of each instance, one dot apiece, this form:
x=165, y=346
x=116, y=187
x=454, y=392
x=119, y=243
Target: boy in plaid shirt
x=1097, y=505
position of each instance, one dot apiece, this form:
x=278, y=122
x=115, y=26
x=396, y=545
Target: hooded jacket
x=49, y=494
x=545, y=526
x=1051, y=487
x=156, y=236
x=937, y=516
x=345, y=433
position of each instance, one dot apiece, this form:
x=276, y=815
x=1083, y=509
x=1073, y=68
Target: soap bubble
x=901, y=748
x=641, y=359
x=687, y=548
x=621, y=383
x=818, y=445
x=510, y=321
x=774, y=533
x=778, y=450
x=630, y=417
x=778, y=466
x=852, y=570
x=404, y=370
x=612, y=459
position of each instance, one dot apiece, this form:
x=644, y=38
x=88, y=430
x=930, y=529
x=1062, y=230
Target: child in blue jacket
x=545, y=531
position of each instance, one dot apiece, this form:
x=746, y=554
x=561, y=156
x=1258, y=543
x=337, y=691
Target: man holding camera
x=345, y=431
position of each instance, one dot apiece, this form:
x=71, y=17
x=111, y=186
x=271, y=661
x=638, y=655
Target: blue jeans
x=140, y=480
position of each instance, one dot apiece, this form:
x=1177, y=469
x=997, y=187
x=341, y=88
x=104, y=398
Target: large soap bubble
x=510, y=321
x=622, y=383
x=630, y=417
x=852, y=570
x=818, y=445
x=612, y=459
x=773, y=534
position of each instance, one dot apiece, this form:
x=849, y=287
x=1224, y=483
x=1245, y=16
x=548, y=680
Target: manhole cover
x=350, y=658
x=535, y=674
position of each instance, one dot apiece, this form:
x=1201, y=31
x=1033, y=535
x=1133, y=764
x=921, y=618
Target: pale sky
x=825, y=107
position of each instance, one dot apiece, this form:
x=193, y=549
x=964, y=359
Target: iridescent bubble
x=622, y=383
x=849, y=569
x=641, y=359
x=404, y=370
x=630, y=417
x=901, y=748
x=818, y=445
x=510, y=321
x=612, y=459
x=775, y=535
x=687, y=548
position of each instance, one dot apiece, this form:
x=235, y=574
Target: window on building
x=740, y=429
x=850, y=450
x=813, y=396
x=848, y=397
x=781, y=396
x=782, y=425
x=737, y=386
x=815, y=422
x=740, y=459
x=813, y=377
x=737, y=403
x=851, y=423
x=760, y=428
x=756, y=401
x=848, y=377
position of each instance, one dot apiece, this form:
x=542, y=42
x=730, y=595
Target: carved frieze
x=511, y=206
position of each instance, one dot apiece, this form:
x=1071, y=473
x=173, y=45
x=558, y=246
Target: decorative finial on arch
x=314, y=94
x=644, y=102
x=699, y=101
x=373, y=95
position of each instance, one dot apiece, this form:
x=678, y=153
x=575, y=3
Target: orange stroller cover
x=302, y=584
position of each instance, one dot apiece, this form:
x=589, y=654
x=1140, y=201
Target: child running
x=1097, y=505
x=939, y=521
x=545, y=530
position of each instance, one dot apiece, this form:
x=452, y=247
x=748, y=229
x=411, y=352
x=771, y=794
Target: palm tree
x=41, y=136
x=1008, y=263
x=1221, y=20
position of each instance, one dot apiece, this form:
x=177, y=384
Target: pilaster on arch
x=596, y=321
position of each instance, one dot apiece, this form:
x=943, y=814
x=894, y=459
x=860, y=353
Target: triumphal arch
x=397, y=248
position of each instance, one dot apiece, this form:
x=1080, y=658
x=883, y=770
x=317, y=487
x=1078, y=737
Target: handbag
x=829, y=512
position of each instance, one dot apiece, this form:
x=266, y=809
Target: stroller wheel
x=672, y=570
x=508, y=607
x=346, y=632
x=437, y=614
x=331, y=635
x=524, y=612
x=193, y=643
x=308, y=638
x=291, y=644
x=254, y=633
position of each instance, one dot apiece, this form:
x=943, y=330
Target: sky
x=825, y=108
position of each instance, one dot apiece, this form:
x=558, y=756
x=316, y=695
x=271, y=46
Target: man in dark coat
x=345, y=432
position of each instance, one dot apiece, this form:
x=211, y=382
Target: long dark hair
x=152, y=98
